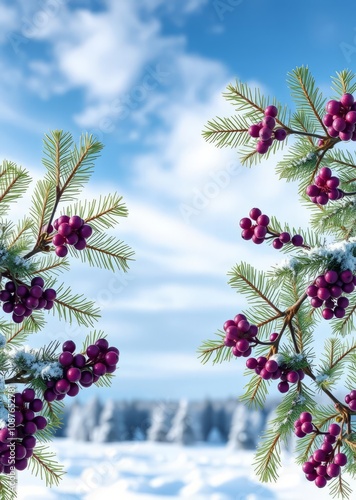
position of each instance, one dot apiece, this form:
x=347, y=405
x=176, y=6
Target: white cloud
x=8, y=20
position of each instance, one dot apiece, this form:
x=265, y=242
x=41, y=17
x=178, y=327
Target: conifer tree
x=34, y=251
x=314, y=285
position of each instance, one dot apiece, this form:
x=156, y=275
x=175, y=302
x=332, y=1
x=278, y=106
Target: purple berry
x=271, y=111
x=339, y=124
x=308, y=468
x=76, y=222
x=247, y=234
x=323, y=293
x=251, y=363
x=331, y=276
x=347, y=100
x=28, y=395
x=62, y=386
x=283, y=387
x=73, y=374
x=340, y=459
x=40, y=422
x=320, y=481
x=64, y=229
x=81, y=244
x=292, y=377
x=37, y=281
x=61, y=251
x=351, y=117
x=85, y=231
x=36, y=405
x=312, y=291
x=74, y=390
x=297, y=240
x=333, y=470
x=66, y=358
x=245, y=223
x=305, y=416
x=263, y=220
x=99, y=369
x=255, y=213
x=92, y=351
x=285, y=237
x=271, y=366
x=346, y=276
x=327, y=313
x=332, y=132
x=333, y=107
x=254, y=131
x=307, y=427
x=58, y=240
x=339, y=312
x=319, y=455
x=334, y=429
x=50, y=294
x=280, y=134
x=86, y=377
x=328, y=120
x=79, y=361
x=260, y=232
x=72, y=239
x=261, y=147
x=69, y=346
x=30, y=428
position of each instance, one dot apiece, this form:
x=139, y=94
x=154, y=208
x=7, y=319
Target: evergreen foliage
x=279, y=299
x=27, y=253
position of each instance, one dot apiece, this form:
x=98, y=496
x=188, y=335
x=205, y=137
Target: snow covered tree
x=111, y=424
x=207, y=419
x=58, y=227
x=161, y=419
x=181, y=430
x=315, y=284
x=80, y=429
x=246, y=428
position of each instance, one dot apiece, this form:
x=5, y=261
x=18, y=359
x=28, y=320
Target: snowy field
x=147, y=471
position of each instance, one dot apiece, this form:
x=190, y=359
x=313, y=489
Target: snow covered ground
x=148, y=471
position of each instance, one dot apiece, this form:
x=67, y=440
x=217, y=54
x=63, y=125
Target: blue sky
x=145, y=76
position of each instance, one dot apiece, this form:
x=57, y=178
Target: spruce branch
x=215, y=348
x=306, y=95
x=232, y=131
x=42, y=463
x=252, y=283
x=106, y=252
x=343, y=82
x=14, y=181
x=101, y=213
x=75, y=307
x=7, y=488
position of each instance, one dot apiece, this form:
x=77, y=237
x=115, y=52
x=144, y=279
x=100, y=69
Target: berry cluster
x=70, y=231
x=22, y=300
x=17, y=440
x=350, y=399
x=269, y=369
x=77, y=369
x=239, y=335
x=325, y=187
x=340, y=119
x=258, y=231
x=328, y=288
x=324, y=464
x=264, y=130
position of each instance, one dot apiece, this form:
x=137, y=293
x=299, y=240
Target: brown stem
x=19, y=379
x=307, y=134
